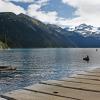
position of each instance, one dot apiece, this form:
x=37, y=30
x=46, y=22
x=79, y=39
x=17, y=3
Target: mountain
x=86, y=30
x=23, y=31
x=85, y=36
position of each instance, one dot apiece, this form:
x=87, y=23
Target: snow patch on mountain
x=86, y=30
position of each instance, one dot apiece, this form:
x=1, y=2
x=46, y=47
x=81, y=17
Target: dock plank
x=87, y=77
x=80, y=86
x=29, y=95
x=85, y=81
x=67, y=92
x=93, y=73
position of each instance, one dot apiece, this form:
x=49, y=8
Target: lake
x=35, y=65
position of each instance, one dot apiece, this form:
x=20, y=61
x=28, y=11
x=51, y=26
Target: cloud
x=34, y=10
x=6, y=6
x=42, y=2
x=24, y=1
x=30, y=1
x=88, y=11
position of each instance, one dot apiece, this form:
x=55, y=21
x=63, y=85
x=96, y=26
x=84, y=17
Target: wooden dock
x=81, y=87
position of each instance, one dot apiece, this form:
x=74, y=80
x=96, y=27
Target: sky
x=60, y=12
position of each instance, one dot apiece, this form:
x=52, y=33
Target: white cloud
x=30, y=1
x=34, y=10
x=42, y=1
x=6, y=6
x=24, y=1
x=88, y=11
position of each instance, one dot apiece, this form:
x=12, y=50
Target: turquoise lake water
x=35, y=65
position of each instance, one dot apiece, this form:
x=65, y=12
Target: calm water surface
x=35, y=65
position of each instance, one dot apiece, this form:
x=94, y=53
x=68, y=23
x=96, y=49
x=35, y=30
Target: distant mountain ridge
x=22, y=31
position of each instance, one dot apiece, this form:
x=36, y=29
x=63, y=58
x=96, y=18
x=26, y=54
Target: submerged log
x=7, y=68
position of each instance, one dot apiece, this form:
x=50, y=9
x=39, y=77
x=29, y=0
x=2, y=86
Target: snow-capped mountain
x=86, y=30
